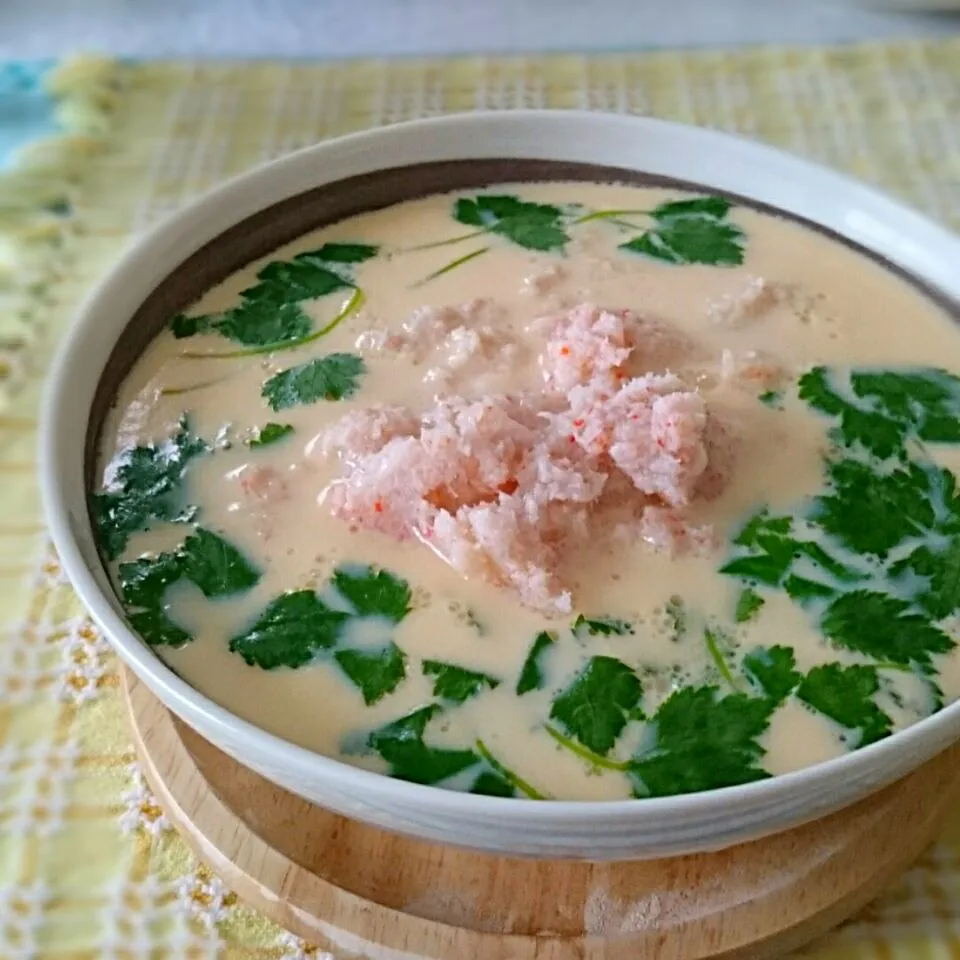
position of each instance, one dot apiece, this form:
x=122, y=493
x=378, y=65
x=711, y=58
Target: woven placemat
x=88, y=865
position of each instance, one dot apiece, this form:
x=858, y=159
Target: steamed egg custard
x=550, y=490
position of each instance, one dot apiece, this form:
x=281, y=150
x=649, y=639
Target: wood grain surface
x=364, y=893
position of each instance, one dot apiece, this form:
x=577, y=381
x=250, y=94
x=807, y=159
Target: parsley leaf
x=692, y=231
x=941, y=567
x=215, y=566
x=270, y=433
x=883, y=627
x=144, y=581
x=292, y=629
x=490, y=784
x=604, y=626
x=257, y=323
x=401, y=745
x=373, y=593
x=531, y=674
x=183, y=326
x=157, y=629
x=333, y=377
x=597, y=704
x=748, y=605
x=534, y=226
x=869, y=511
x=773, y=670
x=376, y=673
x=845, y=694
x=454, y=683
x=304, y=278
x=703, y=742
x=145, y=487
x=926, y=399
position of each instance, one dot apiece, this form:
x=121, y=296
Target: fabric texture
x=89, y=867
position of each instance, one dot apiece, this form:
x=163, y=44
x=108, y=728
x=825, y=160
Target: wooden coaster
x=362, y=892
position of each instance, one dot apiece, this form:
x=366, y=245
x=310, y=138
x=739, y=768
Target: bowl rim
x=187, y=702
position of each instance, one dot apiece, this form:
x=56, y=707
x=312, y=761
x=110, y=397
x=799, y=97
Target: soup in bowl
x=546, y=498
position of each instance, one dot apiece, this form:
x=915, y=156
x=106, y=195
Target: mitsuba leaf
x=376, y=673
x=598, y=703
x=454, y=683
x=531, y=674
x=373, y=593
x=333, y=377
x=534, y=226
x=845, y=694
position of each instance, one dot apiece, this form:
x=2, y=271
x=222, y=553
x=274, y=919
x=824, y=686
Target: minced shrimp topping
x=549, y=491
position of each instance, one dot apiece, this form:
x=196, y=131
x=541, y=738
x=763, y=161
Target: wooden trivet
x=361, y=892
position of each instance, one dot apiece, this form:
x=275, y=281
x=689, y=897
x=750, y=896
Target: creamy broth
x=665, y=612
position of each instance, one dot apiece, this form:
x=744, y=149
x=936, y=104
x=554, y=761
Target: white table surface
x=342, y=28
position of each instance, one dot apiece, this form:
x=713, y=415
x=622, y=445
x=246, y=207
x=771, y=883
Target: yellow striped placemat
x=88, y=865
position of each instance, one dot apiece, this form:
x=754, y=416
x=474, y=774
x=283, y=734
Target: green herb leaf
x=341, y=253
x=531, y=675
x=270, y=433
x=401, y=745
x=926, y=399
x=489, y=784
x=748, y=605
x=941, y=567
x=374, y=593
x=376, y=673
x=845, y=694
x=534, y=226
x=157, y=629
x=871, y=512
x=773, y=670
x=305, y=278
x=292, y=629
x=218, y=568
x=703, y=742
x=144, y=581
x=604, y=626
x=771, y=398
x=507, y=775
x=333, y=377
x=883, y=627
x=257, y=323
x=454, y=683
x=145, y=486
x=692, y=231
x=183, y=326
x=597, y=704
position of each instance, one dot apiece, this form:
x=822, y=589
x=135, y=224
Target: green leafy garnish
x=771, y=398
x=373, y=593
x=376, y=673
x=718, y=643
x=217, y=567
x=269, y=311
x=773, y=670
x=531, y=675
x=692, y=231
x=290, y=632
x=490, y=784
x=533, y=226
x=157, y=628
x=885, y=628
x=703, y=742
x=401, y=745
x=144, y=581
x=333, y=377
x=941, y=567
x=454, y=683
x=145, y=486
x=748, y=605
x=597, y=704
x=270, y=433
x=845, y=694
x=604, y=626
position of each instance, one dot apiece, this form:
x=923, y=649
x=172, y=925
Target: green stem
x=351, y=306
x=585, y=753
x=717, y=657
x=177, y=391
x=451, y=266
x=899, y=667
x=512, y=778
x=610, y=215
x=444, y=243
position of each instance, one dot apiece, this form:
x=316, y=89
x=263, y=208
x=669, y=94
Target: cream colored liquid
x=844, y=311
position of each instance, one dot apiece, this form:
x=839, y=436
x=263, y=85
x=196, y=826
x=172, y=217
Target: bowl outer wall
x=587, y=830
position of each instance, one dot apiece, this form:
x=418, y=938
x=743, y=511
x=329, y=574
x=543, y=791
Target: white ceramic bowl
x=614, y=830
